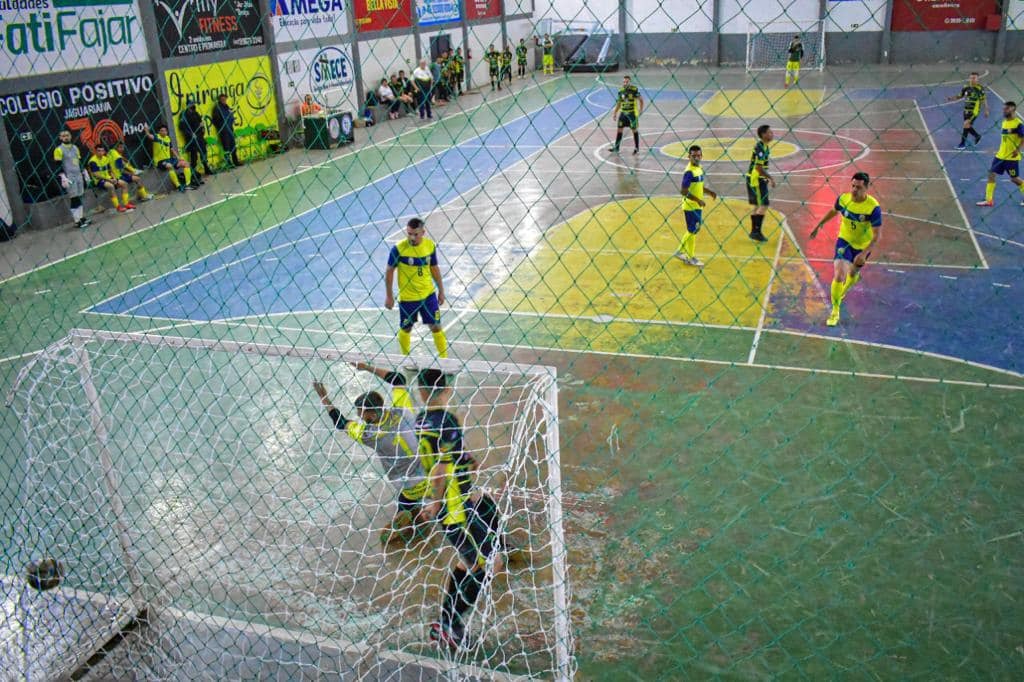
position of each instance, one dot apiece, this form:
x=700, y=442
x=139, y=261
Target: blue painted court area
x=954, y=312
x=332, y=257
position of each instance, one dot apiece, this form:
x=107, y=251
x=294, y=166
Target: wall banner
x=188, y=27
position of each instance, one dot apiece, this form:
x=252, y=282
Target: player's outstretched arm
x=340, y=421
x=392, y=377
x=832, y=213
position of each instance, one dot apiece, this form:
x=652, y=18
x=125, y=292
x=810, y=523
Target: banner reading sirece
x=325, y=73
x=49, y=36
x=249, y=86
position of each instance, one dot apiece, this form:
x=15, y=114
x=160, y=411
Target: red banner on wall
x=483, y=9
x=940, y=15
x=382, y=15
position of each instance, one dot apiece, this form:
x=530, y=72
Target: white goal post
x=201, y=480
x=768, y=44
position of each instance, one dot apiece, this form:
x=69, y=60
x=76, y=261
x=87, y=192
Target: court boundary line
x=318, y=207
x=768, y=294
x=952, y=190
x=692, y=360
x=301, y=169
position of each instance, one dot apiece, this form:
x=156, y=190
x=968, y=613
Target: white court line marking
x=722, y=363
x=767, y=301
x=952, y=190
x=43, y=291
x=89, y=284
x=947, y=277
x=276, y=181
x=193, y=280
x=1000, y=284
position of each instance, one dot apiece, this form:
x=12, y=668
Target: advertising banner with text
x=48, y=36
x=109, y=111
x=324, y=73
x=188, y=27
x=382, y=15
x=249, y=86
x=295, y=20
x=941, y=15
x=483, y=9
x=430, y=12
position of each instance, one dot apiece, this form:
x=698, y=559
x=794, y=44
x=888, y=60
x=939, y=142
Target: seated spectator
x=129, y=173
x=401, y=92
x=386, y=96
x=309, y=107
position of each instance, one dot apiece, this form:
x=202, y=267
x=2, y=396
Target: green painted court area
x=747, y=494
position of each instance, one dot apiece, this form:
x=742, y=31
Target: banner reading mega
x=296, y=20
x=483, y=9
x=107, y=111
x=382, y=15
x=324, y=73
x=430, y=12
x=47, y=36
x=941, y=15
x=249, y=87
x=188, y=27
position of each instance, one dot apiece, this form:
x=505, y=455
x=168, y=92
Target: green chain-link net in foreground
x=659, y=460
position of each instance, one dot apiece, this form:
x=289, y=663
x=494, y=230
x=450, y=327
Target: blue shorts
x=426, y=310
x=693, y=220
x=846, y=252
x=1000, y=166
x=128, y=177
x=166, y=165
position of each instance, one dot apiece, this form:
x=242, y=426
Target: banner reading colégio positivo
x=249, y=87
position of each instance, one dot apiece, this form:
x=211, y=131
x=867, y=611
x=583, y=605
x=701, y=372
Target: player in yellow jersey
x=973, y=95
x=129, y=173
x=165, y=158
x=105, y=175
x=859, y=230
x=796, y=53
x=420, y=287
x=1008, y=157
x=693, y=192
x=548, y=58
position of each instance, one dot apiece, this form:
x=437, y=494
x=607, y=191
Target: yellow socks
x=187, y=172
x=990, y=191
x=114, y=201
x=689, y=244
x=441, y=341
x=143, y=192
x=404, y=341
x=174, y=178
x=124, y=198
x=838, y=290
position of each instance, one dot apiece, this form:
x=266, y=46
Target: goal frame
x=77, y=340
x=781, y=27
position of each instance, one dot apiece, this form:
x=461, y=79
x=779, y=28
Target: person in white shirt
x=424, y=83
x=387, y=98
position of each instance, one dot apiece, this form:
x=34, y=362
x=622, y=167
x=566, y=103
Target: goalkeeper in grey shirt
x=391, y=432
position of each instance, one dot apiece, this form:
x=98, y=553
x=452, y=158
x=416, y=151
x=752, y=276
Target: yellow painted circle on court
x=726, y=149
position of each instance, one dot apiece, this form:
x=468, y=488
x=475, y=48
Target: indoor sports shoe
x=130, y=206
x=636, y=151
x=833, y=318
x=679, y=255
x=613, y=149
x=451, y=638
x=758, y=236
x=696, y=262
x=984, y=203
x=122, y=209
x=962, y=147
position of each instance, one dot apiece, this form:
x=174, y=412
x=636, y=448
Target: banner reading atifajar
x=940, y=15
x=249, y=87
x=188, y=27
x=483, y=9
x=382, y=15
x=47, y=36
x=106, y=111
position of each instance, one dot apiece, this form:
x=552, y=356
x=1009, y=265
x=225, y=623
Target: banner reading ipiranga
x=249, y=86
x=325, y=73
x=295, y=20
x=47, y=36
x=107, y=111
x=940, y=15
x=382, y=15
x=188, y=27
x=483, y=9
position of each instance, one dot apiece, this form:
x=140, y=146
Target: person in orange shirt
x=309, y=107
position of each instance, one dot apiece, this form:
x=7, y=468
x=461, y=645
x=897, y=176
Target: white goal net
x=768, y=44
x=200, y=486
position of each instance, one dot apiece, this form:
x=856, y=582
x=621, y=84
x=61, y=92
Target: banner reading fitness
x=249, y=87
x=47, y=36
x=942, y=15
x=382, y=15
x=188, y=27
x=98, y=111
